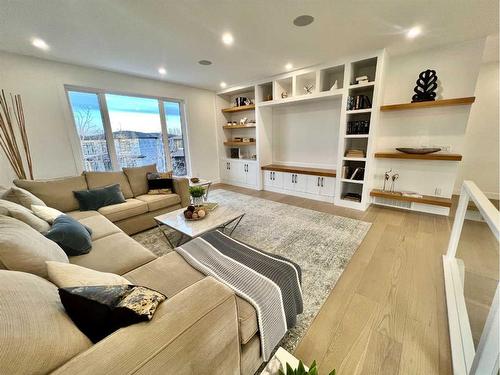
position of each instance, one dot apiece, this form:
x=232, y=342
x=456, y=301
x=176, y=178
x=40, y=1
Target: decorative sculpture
x=309, y=88
x=284, y=94
x=426, y=87
x=394, y=177
x=386, y=177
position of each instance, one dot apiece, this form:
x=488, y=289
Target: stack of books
x=355, y=153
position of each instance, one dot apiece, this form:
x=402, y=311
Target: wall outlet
x=437, y=192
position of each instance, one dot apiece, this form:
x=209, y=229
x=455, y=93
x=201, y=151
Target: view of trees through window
x=138, y=129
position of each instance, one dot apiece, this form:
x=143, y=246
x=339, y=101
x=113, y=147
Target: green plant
x=197, y=191
x=313, y=370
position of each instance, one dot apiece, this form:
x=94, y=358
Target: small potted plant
x=197, y=194
x=313, y=370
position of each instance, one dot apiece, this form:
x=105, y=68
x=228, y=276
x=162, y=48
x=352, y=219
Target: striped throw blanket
x=272, y=284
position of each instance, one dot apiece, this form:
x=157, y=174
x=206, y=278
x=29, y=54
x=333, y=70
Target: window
x=118, y=131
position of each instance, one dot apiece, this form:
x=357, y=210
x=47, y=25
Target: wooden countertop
x=300, y=170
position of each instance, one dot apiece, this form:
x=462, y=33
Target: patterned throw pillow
x=100, y=310
x=160, y=183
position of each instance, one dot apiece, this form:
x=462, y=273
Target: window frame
x=101, y=97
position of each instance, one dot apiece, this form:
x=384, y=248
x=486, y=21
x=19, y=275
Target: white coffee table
x=222, y=217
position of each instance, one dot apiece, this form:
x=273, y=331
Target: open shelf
x=328, y=77
x=265, y=92
x=434, y=156
x=434, y=103
x=239, y=109
x=233, y=143
x=353, y=159
x=281, y=86
x=304, y=80
x=426, y=199
x=301, y=170
x=363, y=84
x=357, y=135
x=352, y=181
x=238, y=126
x=354, y=111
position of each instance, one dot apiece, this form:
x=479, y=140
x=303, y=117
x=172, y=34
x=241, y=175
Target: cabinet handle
x=317, y=182
x=322, y=180
x=272, y=176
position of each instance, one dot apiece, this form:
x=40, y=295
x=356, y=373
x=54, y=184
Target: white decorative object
x=243, y=121
x=309, y=88
x=335, y=86
x=282, y=357
x=362, y=79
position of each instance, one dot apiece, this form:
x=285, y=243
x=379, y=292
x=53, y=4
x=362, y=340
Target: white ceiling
x=139, y=36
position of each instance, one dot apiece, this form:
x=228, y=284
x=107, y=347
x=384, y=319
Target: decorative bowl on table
x=422, y=150
x=195, y=180
x=195, y=213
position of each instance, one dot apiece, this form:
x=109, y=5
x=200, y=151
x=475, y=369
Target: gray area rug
x=322, y=244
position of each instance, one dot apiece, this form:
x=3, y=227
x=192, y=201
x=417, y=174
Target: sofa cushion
x=100, y=226
x=93, y=199
x=73, y=237
x=36, y=334
x=65, y=275
x=25, y=198
x=116, y=253
x=45, y=213
x=24, y=249
x=137, y=178
x=101, y=179
x=56, y=193
x=170, y=274
x=23, y=214
x=79, y=215
x=156, y=202
x=120, y=211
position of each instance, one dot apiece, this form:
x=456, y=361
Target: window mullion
x=109, y=132
x=164, y=133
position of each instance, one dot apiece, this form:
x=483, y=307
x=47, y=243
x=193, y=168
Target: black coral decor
x=425, y=90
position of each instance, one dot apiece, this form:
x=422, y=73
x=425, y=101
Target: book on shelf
x=352, y=153
x=355, y=197
x=358, y=174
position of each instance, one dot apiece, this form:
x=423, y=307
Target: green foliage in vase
x=313, y=370
x=196, y=191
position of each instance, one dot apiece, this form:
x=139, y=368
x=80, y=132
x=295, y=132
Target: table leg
x=237, y=220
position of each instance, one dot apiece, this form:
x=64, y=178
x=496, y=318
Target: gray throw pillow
x=73, y=237
x=25, y=198
x=93, y=199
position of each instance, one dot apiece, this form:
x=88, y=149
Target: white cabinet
x=327, y=186
x=250, y=171
x=313, y=184
x=239, y=172
x=273, y=179
x=295, y=182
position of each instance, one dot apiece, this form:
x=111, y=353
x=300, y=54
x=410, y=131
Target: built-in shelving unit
x=301, y=170
x=238, y=126
x=239, y=109
x=238, y=144
x=429, y=104
x=434, y=156
x=425, y=199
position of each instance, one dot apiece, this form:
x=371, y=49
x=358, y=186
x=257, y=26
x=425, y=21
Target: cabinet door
x=278, y=180
x=288, y=181
x=327, y=186
x=268, y=178
x=313, y=183
x=237, y=172
x=300, y=182
x=251, y=174
x=224, y=170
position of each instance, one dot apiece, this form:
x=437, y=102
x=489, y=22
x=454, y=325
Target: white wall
x=457, y=67
x=306, y=134
x=481, y=157
x=48, y=117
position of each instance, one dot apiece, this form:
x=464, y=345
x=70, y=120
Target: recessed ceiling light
x=227, y=39
x=40, y=43
x=303, y=20
x=205, y=62
x=289, y=66
x=223, y=85
x=162, y=71
x=414, y=32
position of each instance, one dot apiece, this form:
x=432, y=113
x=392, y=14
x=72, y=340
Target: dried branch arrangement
x=9, y=128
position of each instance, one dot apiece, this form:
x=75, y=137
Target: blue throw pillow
x=73, y=237
x=93, y=199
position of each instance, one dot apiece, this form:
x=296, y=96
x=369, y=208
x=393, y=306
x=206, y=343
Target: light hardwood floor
x=387, y=312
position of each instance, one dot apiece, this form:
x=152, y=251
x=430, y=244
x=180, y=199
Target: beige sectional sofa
x=202, y=328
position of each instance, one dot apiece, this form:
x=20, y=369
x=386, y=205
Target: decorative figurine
x=395, y=176
x=243, y=121
x=386, y=177
x=309, y=88
x=284, y=95
x=335, y=86
x=425, y=90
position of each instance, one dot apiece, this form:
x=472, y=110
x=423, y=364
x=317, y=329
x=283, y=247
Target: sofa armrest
x=181, y=187
x=195, y=330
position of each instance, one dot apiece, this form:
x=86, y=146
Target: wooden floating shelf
x=300, y=170
x=426, y=199
x=233, y=143
x=239, y=109
x=434, y=156
x=239, y=127
x=435, y=103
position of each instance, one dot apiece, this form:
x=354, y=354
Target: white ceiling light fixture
x=223, y=85
x=289, y=66
x=414, y=32
x=162, y=71
x=40, y=43
x=227, y=39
